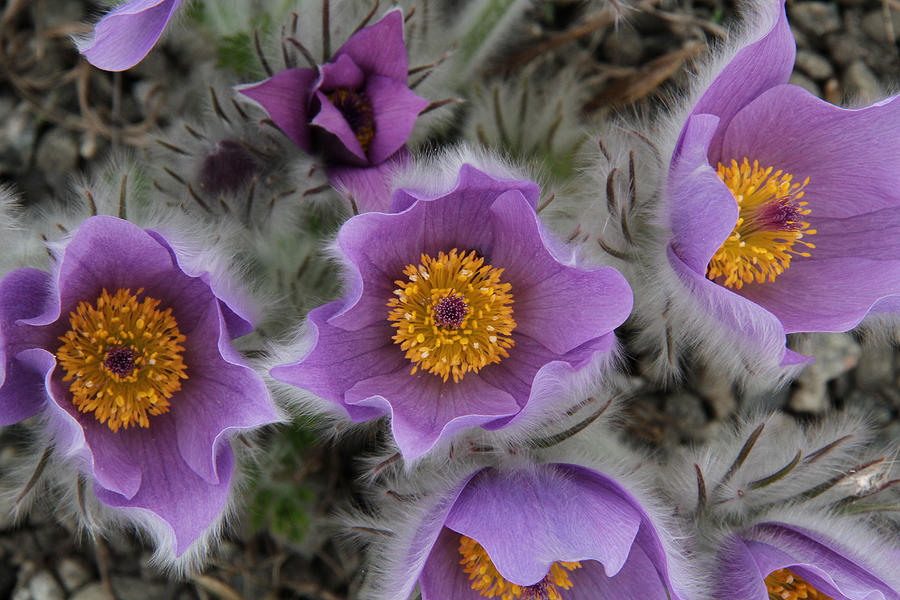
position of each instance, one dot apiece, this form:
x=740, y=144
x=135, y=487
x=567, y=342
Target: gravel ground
x=57, y=116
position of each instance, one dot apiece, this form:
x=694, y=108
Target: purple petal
x=124, y=36
x=342, y=73
x=472, y=180
x=424, y=409
x=850, y=156
x=286, y=97
x=342, y=139
x=535, y=376
x=757, y=67
x=752, y=325
x=379, y=49
x=379, y=246
x=856, y=262
x=702, y=210
x=561, y=307
x=339, y=358
x=369, y=187
x=823, y=564
x=526, y=521
x=24, y=294
x=639, y=579
x=396, y=108
x=170, y=490
x=443, y=576
x=221, y=395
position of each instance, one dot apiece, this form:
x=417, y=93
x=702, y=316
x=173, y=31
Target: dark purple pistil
x=781, y=215
x=537, y=591
x=450, y=311
x=357, y=110
x=120, y=360
x=227, y=169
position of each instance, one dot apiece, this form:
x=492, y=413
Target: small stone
x=22, y=593
x=94, y=591
x=844, y=50
x=817, y=18
x=814, y=65
x=860, y=83
x=836, y=353
x=132, y=588
x=43, y=586
x=876, y=367
x=875, y=25
x=73, y=572
x=832, y=91
x=806, y=83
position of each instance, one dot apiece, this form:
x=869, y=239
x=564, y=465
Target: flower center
x=123, y=358
x=768, y=227
x=488, y=582
x=358, y=112
x=784, y=585
x=452, y=314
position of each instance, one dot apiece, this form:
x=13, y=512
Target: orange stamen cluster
x=123, y=357
x=488, y=582
x=769, y=226
x=784, y=585
x=453, y=314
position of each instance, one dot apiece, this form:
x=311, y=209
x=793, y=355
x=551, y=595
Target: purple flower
x=774, y=559
x=457, y=315
x=784, y=208
x=127, y=353
x=124, y=37
x=545, y=532
x=357, y=110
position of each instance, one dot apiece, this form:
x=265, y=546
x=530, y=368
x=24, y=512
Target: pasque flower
x=356, y=110
x=123, y=37
x=457, y=314
x=784, y=209
x=537, y=532
x=785, y=562
x=127, y=355
x=777, y=511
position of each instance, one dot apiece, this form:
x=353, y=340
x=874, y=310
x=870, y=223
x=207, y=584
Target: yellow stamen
x=784, y=585
x=769, y=225
x=488, y=582
x=453, y=315
x=123, y=357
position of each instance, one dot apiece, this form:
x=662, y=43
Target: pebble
x=43, y=586
x=836, y=353
x=876, y=367
x=874, y=25
x=133, y=588
x=814, y=65
x=844, y=50
x=74, y=573
x=94, y=591
x=860, y=84
x=817, y=18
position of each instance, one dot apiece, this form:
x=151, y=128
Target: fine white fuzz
x=537, y=123
x=410, y=501
x=827, y=479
